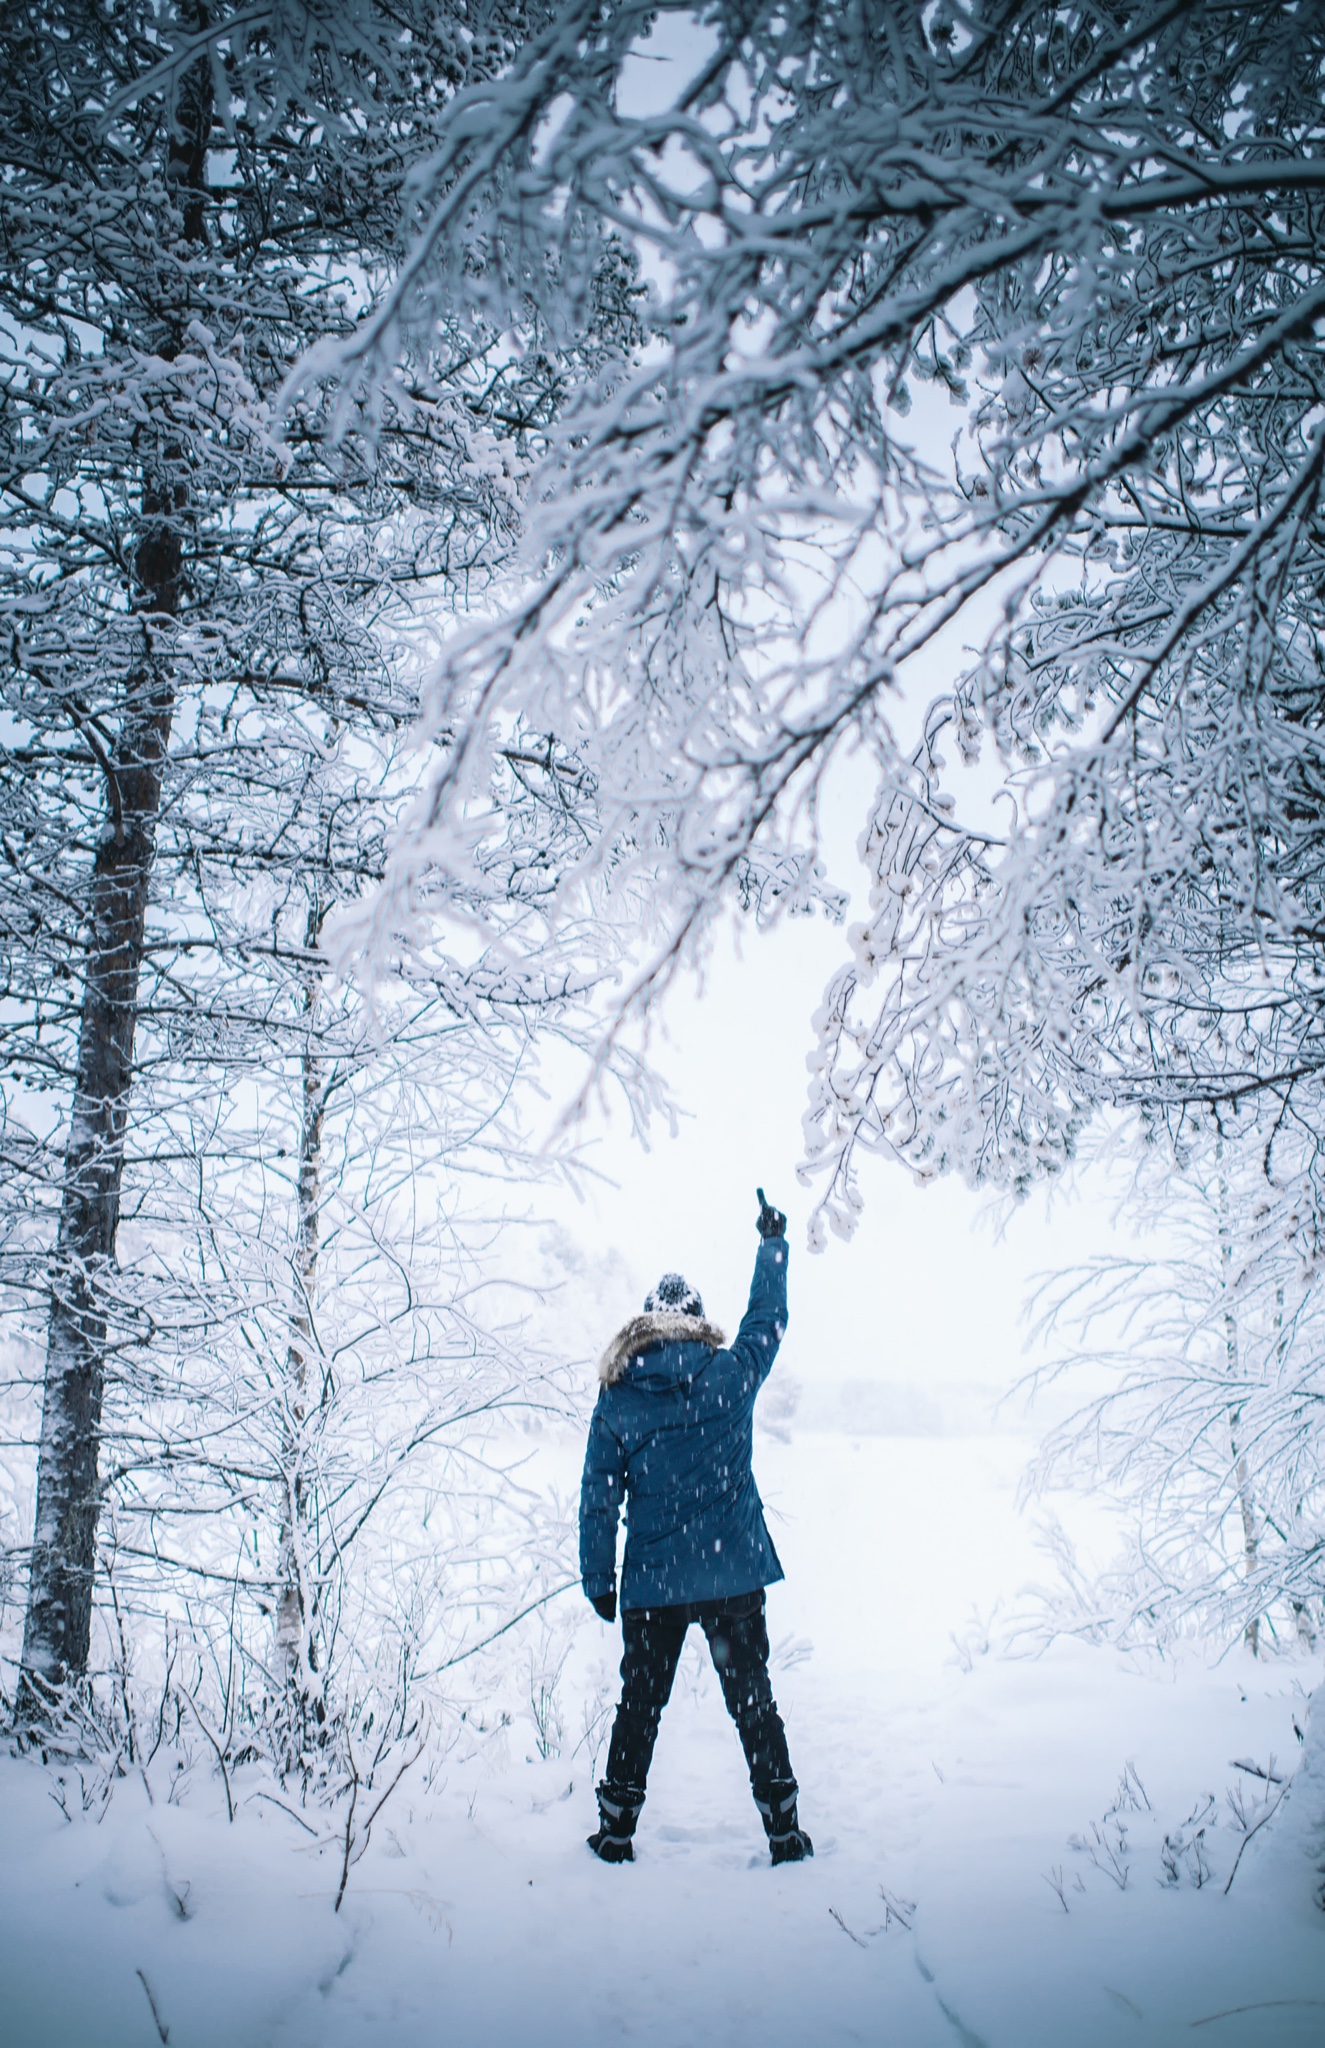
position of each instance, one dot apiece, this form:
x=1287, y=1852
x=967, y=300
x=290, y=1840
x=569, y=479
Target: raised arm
x=602, y=1490
x=765, y=1318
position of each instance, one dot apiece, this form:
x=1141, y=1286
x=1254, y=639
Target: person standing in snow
x=671, y=1437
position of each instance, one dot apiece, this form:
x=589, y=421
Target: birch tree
x=199, y=695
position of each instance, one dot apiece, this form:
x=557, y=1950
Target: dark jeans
x=738, y=1644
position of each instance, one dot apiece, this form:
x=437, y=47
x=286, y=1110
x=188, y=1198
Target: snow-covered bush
x=1207, y=1434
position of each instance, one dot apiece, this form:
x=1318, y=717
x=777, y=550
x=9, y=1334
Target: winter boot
x=618, y=1810
x=787, y=1839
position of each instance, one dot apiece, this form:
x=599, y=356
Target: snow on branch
x=1098, y=240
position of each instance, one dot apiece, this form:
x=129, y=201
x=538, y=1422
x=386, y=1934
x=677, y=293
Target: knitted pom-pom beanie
x=675, y=1296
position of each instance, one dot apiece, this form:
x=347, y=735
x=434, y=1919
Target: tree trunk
x=57, y=1632
x=58, y=1625
x=1250, y=1536
x=298, y=1605
x=1242, y=1477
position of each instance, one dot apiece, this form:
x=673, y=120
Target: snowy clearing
x=937, y=1795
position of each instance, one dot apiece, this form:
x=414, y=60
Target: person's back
x=672, y=1438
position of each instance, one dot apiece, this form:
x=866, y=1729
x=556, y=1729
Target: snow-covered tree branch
x=1095, y=230
x=1207, y=1432
x=213, y=632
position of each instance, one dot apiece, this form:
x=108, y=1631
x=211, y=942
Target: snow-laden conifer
x=229, y=1188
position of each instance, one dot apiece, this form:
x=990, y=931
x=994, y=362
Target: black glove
x=604, y=1605
x=772, y=1222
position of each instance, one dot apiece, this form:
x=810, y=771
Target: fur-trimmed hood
x=658, y=1326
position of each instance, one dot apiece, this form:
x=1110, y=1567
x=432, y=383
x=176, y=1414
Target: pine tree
x=206, y=684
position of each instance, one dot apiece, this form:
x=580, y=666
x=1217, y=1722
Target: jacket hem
x=669, y=1596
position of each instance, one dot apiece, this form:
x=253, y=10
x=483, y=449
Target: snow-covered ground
x=939, y=1795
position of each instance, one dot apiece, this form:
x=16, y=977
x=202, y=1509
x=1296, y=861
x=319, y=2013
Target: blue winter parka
x=672, y=1437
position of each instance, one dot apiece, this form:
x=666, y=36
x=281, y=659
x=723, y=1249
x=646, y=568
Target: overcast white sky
x=926, y=1292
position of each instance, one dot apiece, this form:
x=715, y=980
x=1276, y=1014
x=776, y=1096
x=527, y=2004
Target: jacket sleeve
x=602, y=1490
x=765, y=1320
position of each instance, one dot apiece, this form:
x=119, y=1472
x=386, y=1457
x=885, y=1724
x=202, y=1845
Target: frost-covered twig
x=1106, y=1846
x=163, y=2031
x=1272, y=1807
x=834, y=1914
x=219, y=1747
x=355, y=1842
x=903, y=1911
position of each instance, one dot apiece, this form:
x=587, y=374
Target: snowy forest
x=589, y=583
